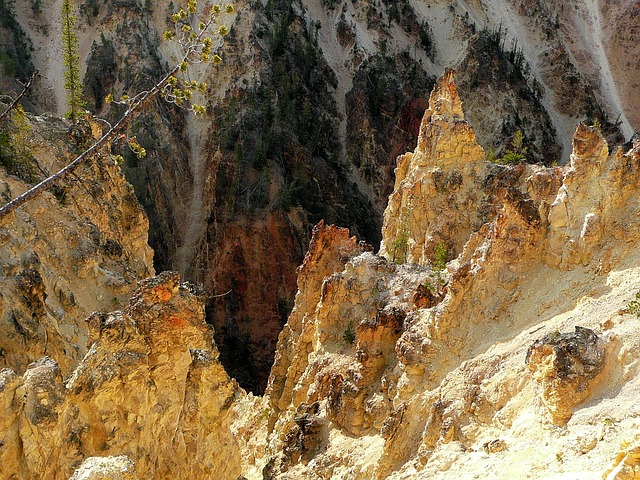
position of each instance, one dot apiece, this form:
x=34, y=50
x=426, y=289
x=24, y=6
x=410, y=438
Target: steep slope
x=78, y=249
x=619, y=37
x=592, y=48
x=15, y=52
x=515, y=359
x=380, y=376
x=150, y=389
x=306, y=116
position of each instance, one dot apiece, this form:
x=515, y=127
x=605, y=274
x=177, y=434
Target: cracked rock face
x=377, y=374
x=77, y=249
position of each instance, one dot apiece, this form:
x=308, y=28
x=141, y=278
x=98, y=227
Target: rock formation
x=566, y=365
x=150, y=388
x=517, y=358
x=70, y=252
x=384, y=388
x=444, y=172
x=306, y=115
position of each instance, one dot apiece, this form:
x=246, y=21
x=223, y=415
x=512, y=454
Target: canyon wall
x=511, y=354
x=307, y=114
x=79, y=248
x=514, y=361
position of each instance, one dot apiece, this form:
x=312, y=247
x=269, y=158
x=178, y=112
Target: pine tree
x=72, y=82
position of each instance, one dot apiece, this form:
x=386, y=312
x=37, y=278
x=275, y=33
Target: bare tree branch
x=19, y=97
x=46, y=183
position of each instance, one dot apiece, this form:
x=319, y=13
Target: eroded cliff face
x=150, y=389
x=515, y=358
x=487, y=377
x=444, y=172
x=307, y=114
x=78, y=249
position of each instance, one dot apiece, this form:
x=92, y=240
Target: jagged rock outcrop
x=444, y=173
x=329, y=250
x=334, y=350
x=150, y=388
x=566, y=366
x=79, y=248
x=425, y=388
x=593, y=206
x=369, y=382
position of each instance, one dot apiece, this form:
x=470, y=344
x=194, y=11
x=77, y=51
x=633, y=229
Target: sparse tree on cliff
x=72, y=82
x=192, y=33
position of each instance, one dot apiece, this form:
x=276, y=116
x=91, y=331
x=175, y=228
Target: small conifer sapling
x=71, y=60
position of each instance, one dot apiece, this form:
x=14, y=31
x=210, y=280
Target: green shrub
x=515, y=154
x=400, y=244
x=491, y=156
x=399, y=247
x=634, y=306
x=511, y=157
x=349, y=334
x=436, y=279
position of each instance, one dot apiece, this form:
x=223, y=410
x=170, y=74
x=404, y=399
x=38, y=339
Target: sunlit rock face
x=444, y=174
x=150, y=388
x=79, y=248
x=512, y=354
x=390, y=367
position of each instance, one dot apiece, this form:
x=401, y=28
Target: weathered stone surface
x=76, y=249
x=566, y=365
x=150, y=388
x=329, y=250
x=626, y=465
x=106, y=468
x=443, y=173
x=349, y=311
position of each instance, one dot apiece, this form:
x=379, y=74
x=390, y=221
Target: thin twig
x=221, y=294
x=133, y=105
x=19, y=97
